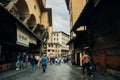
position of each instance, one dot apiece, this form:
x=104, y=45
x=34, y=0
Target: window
x=35, y=7
x=49, y=45
x=52, y=50
x=48, y=50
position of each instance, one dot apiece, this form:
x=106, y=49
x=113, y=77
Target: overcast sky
x=60, y=15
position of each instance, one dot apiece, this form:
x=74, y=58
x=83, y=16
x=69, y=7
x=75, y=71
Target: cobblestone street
x=53, y=72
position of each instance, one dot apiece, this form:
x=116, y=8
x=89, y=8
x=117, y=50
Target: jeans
x=18, y=64
x=33, y=67
x=44, y=67
x=26, y=64
x=85, y=65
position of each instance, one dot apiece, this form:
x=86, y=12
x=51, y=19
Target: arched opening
x=21, y=10
x=22, y=7
x=32, y=22
x=39, y=30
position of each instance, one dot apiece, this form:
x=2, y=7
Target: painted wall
x=76, y=8
x=44, y=19
x=34, y=8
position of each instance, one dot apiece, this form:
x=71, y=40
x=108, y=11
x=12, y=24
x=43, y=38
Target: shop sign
x=32, y=40
x=22, y=38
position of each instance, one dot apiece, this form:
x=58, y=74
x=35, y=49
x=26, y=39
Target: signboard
x=22, y=38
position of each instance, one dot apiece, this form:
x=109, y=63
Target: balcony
x=31, y=26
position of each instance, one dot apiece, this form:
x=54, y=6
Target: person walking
x=26, y=61
x=86, y=60
x=44, y=62
x=39, y=62
x=56, y=61
x=18, y=62
x=33, y=63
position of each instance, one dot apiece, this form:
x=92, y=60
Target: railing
x=23, y=17
x=11, y=4
x=31, y=26
x=4, y=2
x=15, y=13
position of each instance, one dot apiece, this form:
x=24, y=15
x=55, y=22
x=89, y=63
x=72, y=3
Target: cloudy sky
x=60, y=15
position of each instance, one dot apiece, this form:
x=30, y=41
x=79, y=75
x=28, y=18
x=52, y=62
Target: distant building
x=53, y=49
x=62, y=39
x=56, y=44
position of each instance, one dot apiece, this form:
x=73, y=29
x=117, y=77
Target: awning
x=85, y=16
x=81, y=39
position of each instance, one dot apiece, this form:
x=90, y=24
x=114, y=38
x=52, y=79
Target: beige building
x=61, y=38
x=24, y=29
x=56, y=44
x=52, y=49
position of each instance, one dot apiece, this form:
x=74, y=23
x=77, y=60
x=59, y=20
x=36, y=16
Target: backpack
x=92, y=66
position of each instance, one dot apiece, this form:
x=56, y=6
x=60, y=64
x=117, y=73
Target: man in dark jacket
x=44, y=62
x=33, y=63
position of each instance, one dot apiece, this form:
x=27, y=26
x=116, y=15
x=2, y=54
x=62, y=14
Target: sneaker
x=17, y=69
x=91, y=75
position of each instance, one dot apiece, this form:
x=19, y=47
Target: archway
x=22, y=7
x=32, y=21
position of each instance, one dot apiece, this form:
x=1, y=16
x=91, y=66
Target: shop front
x=15, y=39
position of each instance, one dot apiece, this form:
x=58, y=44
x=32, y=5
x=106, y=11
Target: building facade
x=23, y=30
x=53, y=49
x=56, y=44
x=101, y=20
x=62, y=39
x=75, y=8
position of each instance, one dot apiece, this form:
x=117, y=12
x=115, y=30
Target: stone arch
x=22, y=7
x=32, y=21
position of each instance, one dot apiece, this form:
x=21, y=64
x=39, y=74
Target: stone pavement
x=96, y=75
x=11, y=72
x=54, y=72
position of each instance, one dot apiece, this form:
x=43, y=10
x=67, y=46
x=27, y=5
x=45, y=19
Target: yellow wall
x=44, y=19
x=44, y=3
x=41, y=17
x=77, y=7
x=37, y=11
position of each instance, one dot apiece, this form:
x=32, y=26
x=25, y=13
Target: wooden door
x=102, y=61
